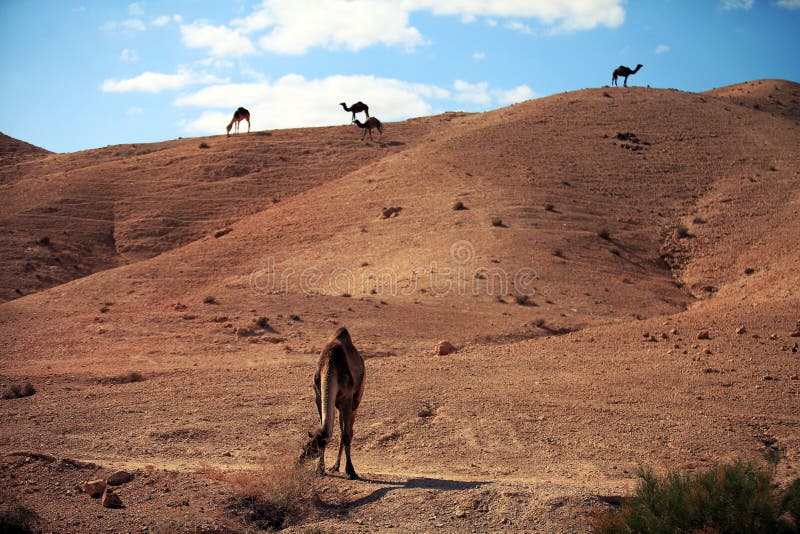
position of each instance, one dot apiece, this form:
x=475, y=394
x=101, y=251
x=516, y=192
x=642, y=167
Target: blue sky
x=84, y=74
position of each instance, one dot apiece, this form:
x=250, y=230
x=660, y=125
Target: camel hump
x=342, y=335
x=242, y=111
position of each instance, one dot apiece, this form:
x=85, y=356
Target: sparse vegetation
x=204, y=145
x=604, y=234
x=275, y=497
x=210, y=300
x=549, y=207
x=733, y=498
x=459, y=206
x=17, y=391
x=524, y=300
x=558, y=253
x=498, y=222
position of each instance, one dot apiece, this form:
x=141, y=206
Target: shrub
x=127, y=378
x=604, y=234
x=497, y=221
x=210, y=300
x=729, y=498
x=203, y=145
x=17, y=391
x=277, y=496
x=459, y=206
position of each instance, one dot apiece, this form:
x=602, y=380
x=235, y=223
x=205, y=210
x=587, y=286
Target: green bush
x=728, y=498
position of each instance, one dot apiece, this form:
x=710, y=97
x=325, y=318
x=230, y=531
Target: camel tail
x=328, y=391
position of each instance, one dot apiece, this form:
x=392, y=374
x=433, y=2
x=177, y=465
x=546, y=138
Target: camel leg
x=625, y=83
x=347, y=437
x=248, y=125
x=335, y=467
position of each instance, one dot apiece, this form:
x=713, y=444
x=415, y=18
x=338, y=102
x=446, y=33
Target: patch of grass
x=15, y=516
x=276, y=496
x=732, y=498
x=17, y=391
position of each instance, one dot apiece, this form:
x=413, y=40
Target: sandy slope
x=634, y=219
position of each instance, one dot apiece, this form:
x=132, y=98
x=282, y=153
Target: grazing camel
x=358, y=107
x=371, y=123
x=239, y=115
x=624, y=71
x=339, y=381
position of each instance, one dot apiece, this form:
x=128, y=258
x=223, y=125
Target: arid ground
x=622, y=287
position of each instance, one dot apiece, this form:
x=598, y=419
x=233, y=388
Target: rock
x=674, y=331
x=118, y=478
x=94, y=488
x=704, y=335
x=741, y=330
x=111, y=499
x=443, y=348
x=796, y=333
x=243, y=331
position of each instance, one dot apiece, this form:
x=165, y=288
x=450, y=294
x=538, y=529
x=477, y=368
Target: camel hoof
x=352, y=476
x=333, y=469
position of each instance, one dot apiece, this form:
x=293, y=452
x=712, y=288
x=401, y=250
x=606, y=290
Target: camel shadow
x=412, y=483
x=384, y=144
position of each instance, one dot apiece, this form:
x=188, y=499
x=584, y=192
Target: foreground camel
x=339, y=381
x=358, y=107
x=371, y=123
x=624, y=71
x=239, y=115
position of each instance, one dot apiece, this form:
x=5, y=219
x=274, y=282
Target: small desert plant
x=523, y=300
x=497, y=221
x=17, y=391
x=733, y=498
x=558, y=253
x=604, y=234
x=210, y=300
x=204, y=145
x=277, y=496
x=459, y=206
x=549, y=207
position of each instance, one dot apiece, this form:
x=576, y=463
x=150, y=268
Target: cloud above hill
x=294, y=101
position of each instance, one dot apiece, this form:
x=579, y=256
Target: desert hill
x=621, y=285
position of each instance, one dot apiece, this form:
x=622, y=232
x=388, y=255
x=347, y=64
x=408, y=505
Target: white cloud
x=478, y=56
x=163, y=20
x=788, y=4
x=155, y=82
x=135, y=10
x=519, y=27
x=274, y=104
x=736, y=4
x=221, y=40
x=129, y=55
x=128, y=26
x=512, y=96
x=134, y=111
x=566, y=15
x=663, y=49
x=295, y=26
x=477, y=93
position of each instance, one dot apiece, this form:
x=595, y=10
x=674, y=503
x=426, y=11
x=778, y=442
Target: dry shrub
x=17, y=391
x=604, y=234
x=498, y=222
x=277, y=496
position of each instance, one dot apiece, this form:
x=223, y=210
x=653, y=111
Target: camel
x=239, y=115
x=624, y=71
x=339, y=381
x=358, y=107
x=371, y=123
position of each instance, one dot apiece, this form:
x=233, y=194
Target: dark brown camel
x=624, y=71
x=339, y=382
x=371, y=123
x=239, y=115
x=358, y=107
